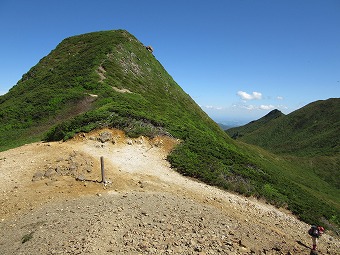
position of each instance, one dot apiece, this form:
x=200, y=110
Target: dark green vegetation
x=307, y=142
x=109, y=79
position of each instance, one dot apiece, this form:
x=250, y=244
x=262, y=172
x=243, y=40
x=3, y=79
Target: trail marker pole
x=102, y=169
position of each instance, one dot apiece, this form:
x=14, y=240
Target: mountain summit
x=254, y=125
x=109, y=75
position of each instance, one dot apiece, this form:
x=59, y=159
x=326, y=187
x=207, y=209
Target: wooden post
x=102, y=169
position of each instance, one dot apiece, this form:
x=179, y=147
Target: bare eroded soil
x=52, y=201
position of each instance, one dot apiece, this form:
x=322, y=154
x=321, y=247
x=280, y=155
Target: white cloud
x=279, y=98
x=253, y=95
x=267, y=107
x=251, y=107
x=213, y=107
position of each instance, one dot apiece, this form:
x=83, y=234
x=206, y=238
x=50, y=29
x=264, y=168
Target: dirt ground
x=53, y=201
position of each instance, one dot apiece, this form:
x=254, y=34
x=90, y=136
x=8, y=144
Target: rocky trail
x=52, y=202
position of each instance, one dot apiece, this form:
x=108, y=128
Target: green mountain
x=110, y=79
x=309, y=134
x=310, y=131
x=240, y=131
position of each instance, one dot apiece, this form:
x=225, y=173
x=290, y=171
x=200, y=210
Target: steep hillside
x=111, y=80
x=312, y=130
x=110, y=73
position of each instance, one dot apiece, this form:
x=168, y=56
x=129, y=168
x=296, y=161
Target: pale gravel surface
x=148, y=208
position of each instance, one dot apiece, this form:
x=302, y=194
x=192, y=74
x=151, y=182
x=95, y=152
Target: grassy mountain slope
x=252, y=126
x=312, y=130
x=109, y=79
x=309, y=135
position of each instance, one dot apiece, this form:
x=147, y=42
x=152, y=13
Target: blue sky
x=238, y=59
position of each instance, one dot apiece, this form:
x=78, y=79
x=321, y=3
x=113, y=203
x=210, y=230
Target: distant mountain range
x=224, y=126
x=310, y=131
x=109, y=79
